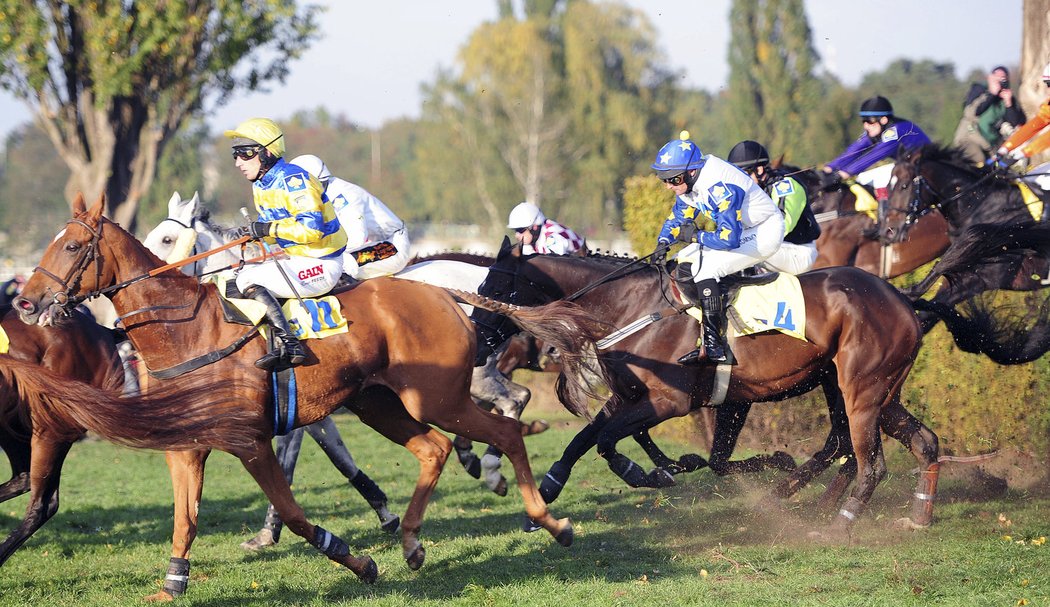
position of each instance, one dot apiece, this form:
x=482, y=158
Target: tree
x=111, y=82
x=774, y=95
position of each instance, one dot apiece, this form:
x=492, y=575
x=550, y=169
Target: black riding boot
x=289, y=351
x=716, y=351
x=691, y=292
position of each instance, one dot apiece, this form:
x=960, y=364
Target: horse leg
x=45, y=472
x=505, y=434
x=327, y=436
x=187, y=483
x=261, y=463
x=690, y=462
x=836, y=445
x=288, y=447
x=922, y=442
x=382, y=411
x=871, y=466
x=729, y=422
x=19, y=455
x=558, y=474
x=627, y=422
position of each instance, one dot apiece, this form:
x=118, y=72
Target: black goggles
x=678, y=179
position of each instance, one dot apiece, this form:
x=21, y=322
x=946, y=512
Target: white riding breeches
x=756, y=244
x=380, y=267
x=792, y=258
x=310, y=276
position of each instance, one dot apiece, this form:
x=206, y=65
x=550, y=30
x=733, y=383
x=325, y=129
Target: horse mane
x=608, y=257
x=947, y=154
x=471, y=257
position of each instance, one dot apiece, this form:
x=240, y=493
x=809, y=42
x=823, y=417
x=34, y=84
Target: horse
x=403, y=365
x=992, y=246
x=188, y=229
x=846, y=235
x=77, y=348
x=861, y=341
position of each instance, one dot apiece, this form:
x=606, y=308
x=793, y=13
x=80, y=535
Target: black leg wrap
x=629, y=471
x=493, y=451
x=554, y=481
x=178, y=576
x=329, y=543
x=368, y=489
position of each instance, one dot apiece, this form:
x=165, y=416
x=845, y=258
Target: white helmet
x=314, y=166
x=525, y=215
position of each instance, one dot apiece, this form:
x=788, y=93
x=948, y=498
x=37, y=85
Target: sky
x=372, y=56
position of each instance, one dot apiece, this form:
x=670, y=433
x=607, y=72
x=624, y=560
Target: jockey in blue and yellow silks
x=293, y=215
x=748, y=229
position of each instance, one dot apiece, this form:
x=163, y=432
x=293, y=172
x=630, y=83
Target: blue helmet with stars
x=677, y=156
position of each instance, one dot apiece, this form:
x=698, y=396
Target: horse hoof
x=501, y=487
x=554, y=481
x=416, y=558
x=160, y=597
x=369, y=574
x=909, y=525
x=783, y=461
x=565, y=536
x=660, y=478
x=263, y=539
x=529, y=525
x=691, y=462
x=538, y=426
x=391, y=525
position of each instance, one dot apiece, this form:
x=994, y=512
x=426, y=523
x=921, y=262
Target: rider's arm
x=790, y=196
x=1030, y=128
x=681, y=212
x=855, y=150
x=728, y=202
x=1037, y=145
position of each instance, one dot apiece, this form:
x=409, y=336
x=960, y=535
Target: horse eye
x=72, y=247
x=168, y=240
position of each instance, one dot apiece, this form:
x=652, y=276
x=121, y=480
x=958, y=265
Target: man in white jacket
x=377, y=241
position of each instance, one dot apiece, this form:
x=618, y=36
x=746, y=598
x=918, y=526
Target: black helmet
x=875, y=107
x=747, y=154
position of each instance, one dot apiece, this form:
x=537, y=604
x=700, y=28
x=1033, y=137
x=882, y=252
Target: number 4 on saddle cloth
x=773, y=305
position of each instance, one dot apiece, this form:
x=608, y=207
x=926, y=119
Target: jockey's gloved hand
x=660, y=252
x=256, y=230
x=687, y=232
x=828, y=180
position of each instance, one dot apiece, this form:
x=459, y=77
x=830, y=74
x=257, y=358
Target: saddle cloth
x=775, y=306
x=314, y=318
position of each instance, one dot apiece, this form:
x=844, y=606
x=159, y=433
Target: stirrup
x=690, y=358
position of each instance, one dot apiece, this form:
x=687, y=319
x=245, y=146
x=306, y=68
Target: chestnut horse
x=861, y=342
x=76, y=348
x=404, y=364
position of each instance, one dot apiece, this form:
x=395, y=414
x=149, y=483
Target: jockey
x=1034, y=132
x=376, y=239
x=799, y=249
x=293, y=215
x=537, y=234
x=884, y=136
x=748, y=229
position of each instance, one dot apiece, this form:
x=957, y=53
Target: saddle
x=313, y=318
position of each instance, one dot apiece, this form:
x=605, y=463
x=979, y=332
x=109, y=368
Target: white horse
x=188, y=230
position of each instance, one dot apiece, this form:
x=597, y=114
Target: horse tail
x=174, y=417
x=985, y=243
x=988, y=329
x=568, y=328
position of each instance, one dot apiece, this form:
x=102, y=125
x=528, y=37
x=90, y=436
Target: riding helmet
x=876, y=106
x=678, y=156
x=748, y=154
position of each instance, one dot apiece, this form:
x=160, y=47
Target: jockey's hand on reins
x=659, y=254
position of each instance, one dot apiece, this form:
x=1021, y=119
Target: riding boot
x=289, y=351
x=716, y=350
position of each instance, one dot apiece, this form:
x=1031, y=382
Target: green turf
x=707, y=541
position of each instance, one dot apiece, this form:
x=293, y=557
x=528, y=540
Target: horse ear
x=504, y=248
x=181, y=210
x=95, y=212
x=78, y=206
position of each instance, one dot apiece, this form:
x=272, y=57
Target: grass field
x=706, y=541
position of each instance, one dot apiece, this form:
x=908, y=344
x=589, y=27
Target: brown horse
x=76, y=348
x=861, y=342
x=404, y=364
x=845, y=241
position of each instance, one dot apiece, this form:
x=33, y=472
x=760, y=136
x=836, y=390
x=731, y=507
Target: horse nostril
x=25, y=305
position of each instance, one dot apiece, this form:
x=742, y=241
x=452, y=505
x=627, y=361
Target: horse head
x=186, y=231
x=71, y=269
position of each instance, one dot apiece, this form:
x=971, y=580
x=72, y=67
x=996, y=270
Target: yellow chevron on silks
x=777, y=306
x=5, y=342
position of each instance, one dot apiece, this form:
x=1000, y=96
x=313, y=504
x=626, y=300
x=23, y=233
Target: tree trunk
x=1035, y=52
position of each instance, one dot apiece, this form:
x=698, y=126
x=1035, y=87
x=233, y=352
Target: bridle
x=925, y=198
x=67, y=300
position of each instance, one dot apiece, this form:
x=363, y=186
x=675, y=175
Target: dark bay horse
x=993, y=245
x=862, y=338
x=404, y=364
x=76, y=348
